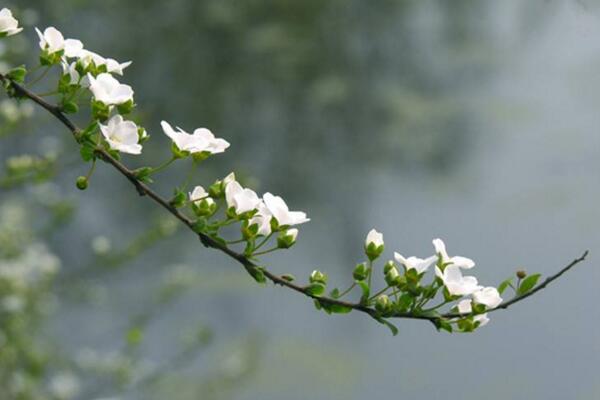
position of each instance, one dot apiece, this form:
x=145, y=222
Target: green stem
x=260, y=253
x=345, y=292
x=163, y=165
x=370, y=274
x=39, y=78
x=266, y=239
x=382, y=291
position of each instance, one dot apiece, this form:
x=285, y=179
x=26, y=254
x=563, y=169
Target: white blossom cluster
x=448, y=272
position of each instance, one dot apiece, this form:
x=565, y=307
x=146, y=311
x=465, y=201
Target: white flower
x=281, y=212
x=110, y=91
x=458, y=261
x=455, y=282
x=53, y=41
x=122, y=135
x=198, y=194
x=465, y=306
x=262, y=218
x=86, y=57
x=241, y=199
x=201, y=140
x=489, y=297
x=228, y=179
x=72, y=71
x=418, y=264
x=65, y=386
x=8, y=24
x=374, y=237
x=482, y=319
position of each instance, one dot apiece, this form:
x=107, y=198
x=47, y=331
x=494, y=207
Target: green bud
x=216, y=190
x=318, y=277
x=288, y=277
x=286, y=239
x=361, y=272
x=178, y=199
x=205, y=207
x=392, y=276
x=81, y=183
x=373, y=251
x=388, y=266
x=143, y=135
x=383, y=304
x=521, y=274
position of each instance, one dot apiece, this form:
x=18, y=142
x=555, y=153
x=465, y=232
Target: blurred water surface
x=472, y=121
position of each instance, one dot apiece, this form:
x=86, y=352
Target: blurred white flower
x=110, y=91
x=64, y=386
x=122, y=135
x=8, y=24
x=52, y=41
x=101, y=245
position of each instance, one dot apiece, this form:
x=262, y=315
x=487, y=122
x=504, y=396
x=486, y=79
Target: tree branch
x=250, y=266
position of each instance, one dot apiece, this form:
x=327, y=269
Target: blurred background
x=474, y=121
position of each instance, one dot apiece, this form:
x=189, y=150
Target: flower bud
x=388, y=266
x=286, y=239
x=373, y=244
x=361, y=272
x=318, y=277
x=216, y=190
x=81, y=183
x=205, y=207
x=521, y=274
x=383, y=304
x=392, y=277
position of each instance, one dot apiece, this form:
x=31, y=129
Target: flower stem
x=266, y=239
x=39, y=78
x=345, y=292
x=260, y=253
x=163, y=165
x=379, y=293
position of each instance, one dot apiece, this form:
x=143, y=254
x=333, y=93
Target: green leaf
x=442, y=324
x=87, y=152
x=70, y=107
x=528, y=283
x=17, y=74
x=365, y=291
x=258, y=274
x=288, y=277
x=335, y=293
x=505, y=284
x=388, y=324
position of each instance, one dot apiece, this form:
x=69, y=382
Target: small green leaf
x=17, y=74
x=288, y=277
x=335, y=293
x=87, y=152
x=442, y=324
x=505, y=284
x=388, y=324
x=70, y=107
x=258, y=274
x=527, y=284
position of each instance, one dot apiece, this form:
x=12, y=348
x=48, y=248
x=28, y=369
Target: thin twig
x=207, y=241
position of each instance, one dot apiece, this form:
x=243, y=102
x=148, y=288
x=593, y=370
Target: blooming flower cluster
x=448, y=278
x=259, y=217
